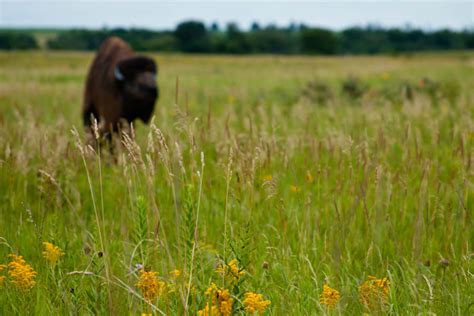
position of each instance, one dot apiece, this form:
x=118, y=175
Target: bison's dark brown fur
x=120, y=87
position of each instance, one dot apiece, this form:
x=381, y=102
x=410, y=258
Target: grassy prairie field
x=309, y=171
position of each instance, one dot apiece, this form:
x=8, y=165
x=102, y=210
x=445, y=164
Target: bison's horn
x=118, y=74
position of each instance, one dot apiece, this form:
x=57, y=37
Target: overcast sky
x=160, y=14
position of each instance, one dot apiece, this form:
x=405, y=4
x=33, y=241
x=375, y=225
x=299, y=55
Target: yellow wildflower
x=150, y=285
x=2, y=278
x=211, y=290
x=146, y=314
x=225, y=305
x=231, y=271
x=254, y=302
x=309, y=177
x=21, y=273
x=295, y=189
x=208, y=311
x=374, y=292
x=221, y=302
x=329, y=296
x=268, y=178
x=235, y=270
x=52, y=253
x=175, y=273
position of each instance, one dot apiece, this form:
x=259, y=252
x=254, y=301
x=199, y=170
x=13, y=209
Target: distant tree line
x=17, y=40
x=196, y=37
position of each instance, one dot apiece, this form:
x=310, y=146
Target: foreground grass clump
x=263, y=186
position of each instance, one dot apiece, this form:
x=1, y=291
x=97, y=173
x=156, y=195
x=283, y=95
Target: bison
x=120, y=88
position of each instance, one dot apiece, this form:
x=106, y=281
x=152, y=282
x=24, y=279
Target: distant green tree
x=255, y=27
x=78, y=40
x=364, y=41
x=192, y=37
x=236, y=41
x=318, y=41
x=165, y=43
x=215, y=27
x=17, y=40
x=271, y=40
x=446, y=39
x=469, y=39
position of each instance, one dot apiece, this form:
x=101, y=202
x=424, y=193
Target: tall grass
x=300, y=192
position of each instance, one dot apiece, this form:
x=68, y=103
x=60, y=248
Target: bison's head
x=137, y=78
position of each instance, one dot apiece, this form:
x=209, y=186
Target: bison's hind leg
x=89, y=113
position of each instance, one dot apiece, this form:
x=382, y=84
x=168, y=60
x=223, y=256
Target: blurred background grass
x=342, y=167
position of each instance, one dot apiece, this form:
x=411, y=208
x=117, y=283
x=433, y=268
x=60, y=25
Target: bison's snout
x=150, y=91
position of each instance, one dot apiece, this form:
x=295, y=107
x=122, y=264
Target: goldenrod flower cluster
x=231, y=271
x=254, y=302
x=2, y=278
x=329, y=296
x=52, y=253
x=374, y=292
x=22, y=274
x=209, y=310
x=149, y=284
x=221, y=302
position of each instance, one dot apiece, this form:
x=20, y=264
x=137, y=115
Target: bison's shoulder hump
x=114, y=44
